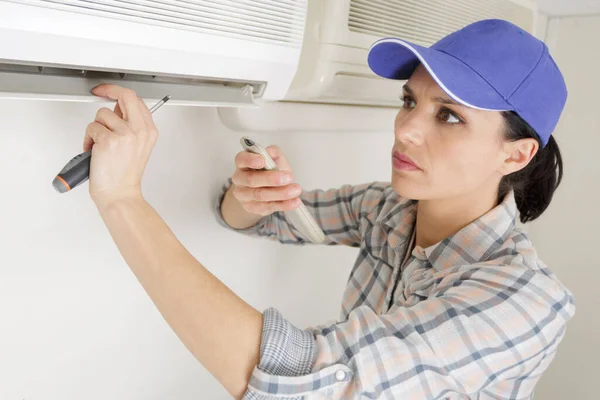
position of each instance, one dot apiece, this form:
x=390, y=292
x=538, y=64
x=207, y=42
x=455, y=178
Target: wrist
x=108, y=202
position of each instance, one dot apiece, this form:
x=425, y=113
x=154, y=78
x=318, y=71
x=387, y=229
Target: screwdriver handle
x=74, y=173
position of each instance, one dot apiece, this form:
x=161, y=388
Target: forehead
x=421, y=80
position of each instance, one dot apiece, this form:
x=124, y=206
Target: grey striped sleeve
x=285, y=350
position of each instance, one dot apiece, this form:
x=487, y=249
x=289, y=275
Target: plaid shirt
x=475, y=316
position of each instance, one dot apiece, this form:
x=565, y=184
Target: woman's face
x=457, y=149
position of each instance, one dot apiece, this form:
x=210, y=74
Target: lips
x=404, y=159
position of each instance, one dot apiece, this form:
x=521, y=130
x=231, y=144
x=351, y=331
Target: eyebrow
x=438, y=99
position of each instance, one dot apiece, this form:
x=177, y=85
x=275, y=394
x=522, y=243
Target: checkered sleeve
x=480, y=325
x=337, y=211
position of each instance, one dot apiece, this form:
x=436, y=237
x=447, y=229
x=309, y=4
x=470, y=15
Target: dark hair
x=535, y=184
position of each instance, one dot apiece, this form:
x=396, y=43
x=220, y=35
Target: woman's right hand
x=264, y=192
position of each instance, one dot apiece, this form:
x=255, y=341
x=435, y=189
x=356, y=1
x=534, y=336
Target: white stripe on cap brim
x=433, y=74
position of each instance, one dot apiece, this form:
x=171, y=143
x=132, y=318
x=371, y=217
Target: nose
x=409, y=127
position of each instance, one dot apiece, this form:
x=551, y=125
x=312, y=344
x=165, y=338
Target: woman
x=447, y=299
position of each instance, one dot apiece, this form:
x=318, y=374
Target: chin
x=408, y=187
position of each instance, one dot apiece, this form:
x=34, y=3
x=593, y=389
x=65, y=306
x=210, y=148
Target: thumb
x=279, y=158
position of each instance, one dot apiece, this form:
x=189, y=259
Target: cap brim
x=396, y=59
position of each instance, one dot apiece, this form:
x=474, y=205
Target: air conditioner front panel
x=261, y=21
x=102, y=37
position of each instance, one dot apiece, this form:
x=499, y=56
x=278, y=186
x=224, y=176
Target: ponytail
x=535, y=184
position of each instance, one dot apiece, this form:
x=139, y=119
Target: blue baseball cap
x=490, y=65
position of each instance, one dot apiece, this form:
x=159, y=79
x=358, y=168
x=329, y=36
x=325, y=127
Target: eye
x=449, y=117
x=409, y=102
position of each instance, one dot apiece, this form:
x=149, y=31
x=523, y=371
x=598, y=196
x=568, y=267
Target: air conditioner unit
x=223, y=52
x=333, y=65
x=202, y=52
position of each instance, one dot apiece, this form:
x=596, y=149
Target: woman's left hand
x=121, y=141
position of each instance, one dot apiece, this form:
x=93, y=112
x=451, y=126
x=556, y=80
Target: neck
x=440, y=218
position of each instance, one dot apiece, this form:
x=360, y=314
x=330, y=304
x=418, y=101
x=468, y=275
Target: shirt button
x=340, y=375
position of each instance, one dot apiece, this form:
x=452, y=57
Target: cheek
x=462, y=164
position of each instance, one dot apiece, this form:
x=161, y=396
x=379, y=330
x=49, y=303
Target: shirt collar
x=399, y=222
x=473, y=243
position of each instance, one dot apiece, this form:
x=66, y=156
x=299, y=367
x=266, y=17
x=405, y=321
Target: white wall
x=567, y=235
x=74, y=321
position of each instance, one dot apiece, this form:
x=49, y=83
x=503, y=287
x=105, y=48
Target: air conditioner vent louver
x=272, y=21
x=425, y=22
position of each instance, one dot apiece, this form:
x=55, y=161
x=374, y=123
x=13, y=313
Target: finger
x=254, y=178
x=288, y=192
x=112, y=121
x=148, y=120
x=279, y=158
x=94, y=133
x=118, y=111
x=127, y=101
x=146, y=114
x=88, y=143
x=245, y=159
x=266, y=208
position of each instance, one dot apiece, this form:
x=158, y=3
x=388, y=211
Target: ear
x=518, y=154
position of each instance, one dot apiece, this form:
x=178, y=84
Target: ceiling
x=569, y=7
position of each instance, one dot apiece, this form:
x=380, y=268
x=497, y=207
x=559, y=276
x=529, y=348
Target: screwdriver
x=77, y=170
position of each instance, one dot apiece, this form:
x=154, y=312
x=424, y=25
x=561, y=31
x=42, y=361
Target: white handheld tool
x=302, y=220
